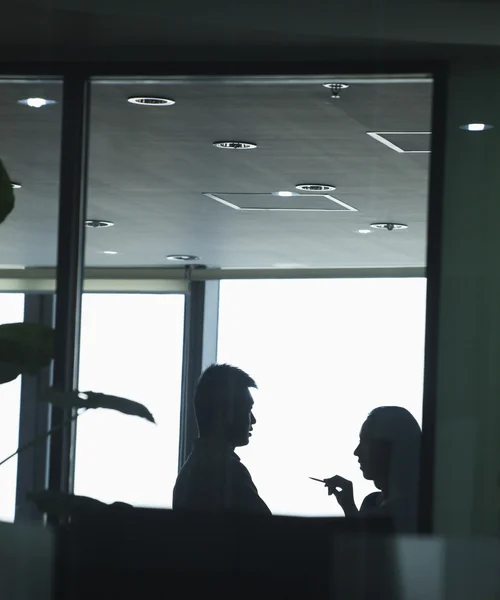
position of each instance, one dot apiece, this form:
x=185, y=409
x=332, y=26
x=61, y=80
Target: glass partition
x=242, y=172
x=30, y=139
x=131, y=346
x=11, y=311
x=272, y=174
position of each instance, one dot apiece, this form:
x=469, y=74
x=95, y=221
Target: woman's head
x=389, y=447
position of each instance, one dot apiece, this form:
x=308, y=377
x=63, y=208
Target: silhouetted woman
x=389, y=455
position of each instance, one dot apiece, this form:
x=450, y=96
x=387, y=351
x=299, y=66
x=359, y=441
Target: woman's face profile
x=373, y=454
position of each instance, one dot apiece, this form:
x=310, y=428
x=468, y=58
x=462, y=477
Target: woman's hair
x=399, y=427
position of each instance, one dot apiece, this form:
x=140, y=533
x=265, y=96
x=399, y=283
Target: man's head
x=223, y=404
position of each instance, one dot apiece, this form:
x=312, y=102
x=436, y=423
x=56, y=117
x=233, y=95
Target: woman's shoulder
x=372, y=501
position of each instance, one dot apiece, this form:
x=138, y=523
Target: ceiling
x=150, y=168
x=159, y=30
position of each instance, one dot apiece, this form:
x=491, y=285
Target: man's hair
x=218, y=388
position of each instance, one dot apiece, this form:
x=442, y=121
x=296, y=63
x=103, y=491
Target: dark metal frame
x=71, y=234
x=32, y=465
x=70, y=264
x=165, y=70
x=434, y=247
x=201, y=321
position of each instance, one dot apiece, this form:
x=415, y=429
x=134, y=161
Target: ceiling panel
x=150, y=168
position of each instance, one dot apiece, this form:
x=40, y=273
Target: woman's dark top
x=402, y=511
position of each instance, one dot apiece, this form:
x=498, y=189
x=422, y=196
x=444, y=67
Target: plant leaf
x=24, y=348
x=6, y=194
x=59, y=504
x=9, y=372
x=123, y=405
x=96, y=400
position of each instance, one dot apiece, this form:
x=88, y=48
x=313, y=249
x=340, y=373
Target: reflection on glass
x=324, y=353
x=11, y=311
x=30, y=140
x=30, y=136
x=131, y=346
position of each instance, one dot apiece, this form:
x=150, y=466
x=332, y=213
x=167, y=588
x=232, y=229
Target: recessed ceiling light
x=36, y=102
x=235, y=145
x=111, y=252
x=98, y=224
x=182, y=257
x=315, y=187
x=284, y=194
x=334, y=86
x=389, y=226
x=335, y=89
x=15, y=185
x=150, y=101
x=364, y=231
x=476, y=126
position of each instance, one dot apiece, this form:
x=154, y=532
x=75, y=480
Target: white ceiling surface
x=149, y=168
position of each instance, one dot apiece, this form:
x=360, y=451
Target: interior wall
x=467, y=454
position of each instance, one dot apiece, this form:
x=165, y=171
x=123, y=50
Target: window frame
x=69, y=273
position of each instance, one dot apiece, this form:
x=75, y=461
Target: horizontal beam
x=154, y=281
x=274, y=80
x=176, y=281
x=406, y=272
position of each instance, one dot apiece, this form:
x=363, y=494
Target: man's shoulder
x=208, y=459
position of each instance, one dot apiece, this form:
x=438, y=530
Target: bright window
x=324, y=353
x=131, y=346
x=11, y=311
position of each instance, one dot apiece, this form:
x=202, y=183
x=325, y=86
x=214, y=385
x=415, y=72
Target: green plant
x=6, y=194
x=25, y=349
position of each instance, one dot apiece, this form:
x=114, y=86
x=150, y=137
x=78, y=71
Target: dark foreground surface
x=143, y=553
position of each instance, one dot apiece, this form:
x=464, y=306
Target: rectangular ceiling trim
x=378, y=136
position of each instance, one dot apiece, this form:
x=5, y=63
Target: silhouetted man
x=213, y=478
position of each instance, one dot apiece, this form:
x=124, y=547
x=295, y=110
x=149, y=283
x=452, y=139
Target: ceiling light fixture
x=15, y=185
x=98, y=224
x=364, y=231
x=330, y=86
x=36, y=102
x=182, y=257
x=389, y=226
x=110, y=252
x=336, y=88
x=284, y=194
x=150, y=101
x=12, y=267
x=476, y=127
x=315, y=187
x=235, y=145
x=288, y=265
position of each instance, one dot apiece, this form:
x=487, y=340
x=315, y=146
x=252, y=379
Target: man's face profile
x=243, y=420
